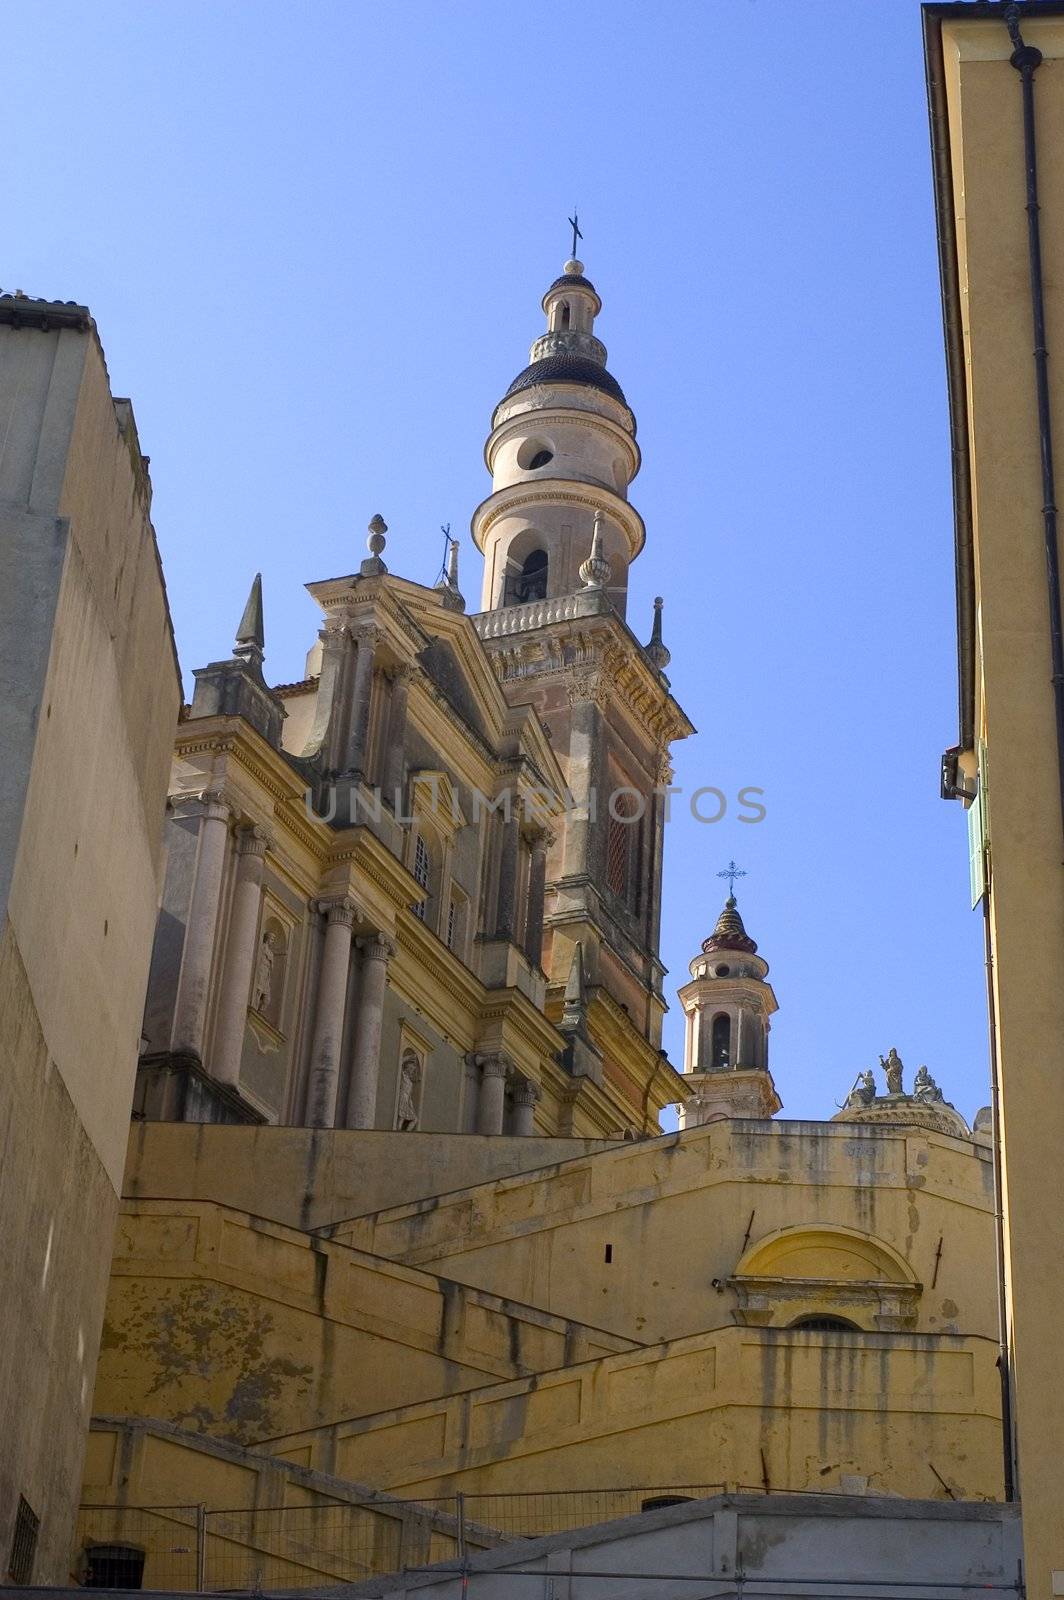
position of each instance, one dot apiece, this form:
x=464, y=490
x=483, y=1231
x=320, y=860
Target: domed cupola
x=729, y=934
x=727, y=1006
x=561, y=449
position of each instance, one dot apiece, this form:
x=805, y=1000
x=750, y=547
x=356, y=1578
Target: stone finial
x=376, y=542
x=658, y=653
x=596, y=570
x=575, y=999
x=250, y=634
x=573, y=268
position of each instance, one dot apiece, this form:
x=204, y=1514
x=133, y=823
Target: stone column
x=323, y=735
x=240, y=952
x=491, y=1101
x=739, y=1038
x=329, y=1018
x=526, y=1098
x=537, y=884
x=367, y=639
x=392, y=782
x=506, y=900
x=190, y=1007
x=366, y=1055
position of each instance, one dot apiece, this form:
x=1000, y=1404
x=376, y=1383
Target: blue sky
x=314, y=238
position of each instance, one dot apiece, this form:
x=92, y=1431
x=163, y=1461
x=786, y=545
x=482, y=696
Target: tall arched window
x=422, y=869
x=720, y=1043
x=566, y=316
x=531, y=582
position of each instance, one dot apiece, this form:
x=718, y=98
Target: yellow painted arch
x=824, y=1250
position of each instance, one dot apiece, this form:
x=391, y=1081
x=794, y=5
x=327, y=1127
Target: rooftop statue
x=863, y=1091
x=925, y=1088
x=893, y=1068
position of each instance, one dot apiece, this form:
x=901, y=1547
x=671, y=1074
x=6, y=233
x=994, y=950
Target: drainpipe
x=1008, y=1436
x=1026, y=59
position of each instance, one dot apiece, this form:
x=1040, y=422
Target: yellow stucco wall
x=271, y=1524
x=309, y=1177
x=978, y=130
x=644, y=1239
x=237, y=1327
x=91, y=696
x=339, y=1356
x=701, y=1411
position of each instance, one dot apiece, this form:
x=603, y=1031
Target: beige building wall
x=671, y=1237
x=759, y=1407
x=87, y=721
x=232, y=1326
x=308, y=1178
x=1007, y=702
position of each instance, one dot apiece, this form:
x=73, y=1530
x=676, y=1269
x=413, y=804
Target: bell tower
x=727, y=1006
x=558, y=536
x=561, y=449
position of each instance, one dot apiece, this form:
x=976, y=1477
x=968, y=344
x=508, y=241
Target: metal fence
x=193, y=1549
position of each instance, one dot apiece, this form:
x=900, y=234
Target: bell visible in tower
x=562, y=450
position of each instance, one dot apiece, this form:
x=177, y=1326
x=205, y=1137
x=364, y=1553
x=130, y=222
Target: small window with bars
x=114, y=1566
x=422, y=866
x=24, y=1543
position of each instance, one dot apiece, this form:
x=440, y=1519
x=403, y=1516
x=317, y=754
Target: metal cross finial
x=574, y=223
x=731, y=872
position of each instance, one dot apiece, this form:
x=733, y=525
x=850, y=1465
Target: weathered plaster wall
x=737, y=1405
x=91, y=696
x=643, y=1238
x=281, y=1526
x=307, y=1177
x=233, y=1326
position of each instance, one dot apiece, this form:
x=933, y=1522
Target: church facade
x=421, y=889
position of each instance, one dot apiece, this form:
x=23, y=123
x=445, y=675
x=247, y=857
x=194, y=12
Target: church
x=405, y=1269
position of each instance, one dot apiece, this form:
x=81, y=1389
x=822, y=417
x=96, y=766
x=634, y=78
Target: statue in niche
x=925, y=1088
x=408, y=1111
x=893, y=1068
x=862, y=1093
x=263, y=984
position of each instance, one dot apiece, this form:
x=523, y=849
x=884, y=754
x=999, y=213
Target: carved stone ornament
x=343, y=911
x=376, y=947
x=252, y=841
x=588, y=685
x=408, y=1110
x=264, y=965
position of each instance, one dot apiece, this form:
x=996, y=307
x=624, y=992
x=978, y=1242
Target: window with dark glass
x=421, y=873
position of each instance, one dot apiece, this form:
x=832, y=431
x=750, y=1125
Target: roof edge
x=956, y=382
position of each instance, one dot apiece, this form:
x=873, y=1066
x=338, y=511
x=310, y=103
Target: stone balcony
x=506, y=621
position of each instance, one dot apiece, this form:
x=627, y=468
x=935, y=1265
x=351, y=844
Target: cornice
x=571, y=491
